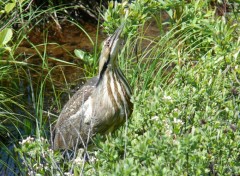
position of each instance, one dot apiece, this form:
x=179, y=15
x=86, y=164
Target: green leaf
x=5, y=36
x=79, y=53
x=21, y=1
x=9, y=7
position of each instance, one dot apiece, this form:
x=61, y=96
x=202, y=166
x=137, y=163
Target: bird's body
x=100, y=106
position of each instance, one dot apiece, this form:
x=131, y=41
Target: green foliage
x=38, y=158
x=19, y=116
x=187, y=127
x=10, y=5
x=89, y=60
x=5, y=36
x=186, y=95
x=133, y=15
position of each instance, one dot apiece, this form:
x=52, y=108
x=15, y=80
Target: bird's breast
x=109, y=104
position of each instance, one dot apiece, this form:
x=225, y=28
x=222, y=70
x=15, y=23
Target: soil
x=61, y=43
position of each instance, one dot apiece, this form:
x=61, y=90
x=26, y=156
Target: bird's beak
x=114, y=42
x=110, y=50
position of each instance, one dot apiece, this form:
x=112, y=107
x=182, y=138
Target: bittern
x=100, y=106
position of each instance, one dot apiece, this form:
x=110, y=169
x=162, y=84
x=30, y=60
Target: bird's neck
x=114, y=78
x=115, y=90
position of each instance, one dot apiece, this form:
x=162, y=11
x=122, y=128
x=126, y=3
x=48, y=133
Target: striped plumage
x=100, y=106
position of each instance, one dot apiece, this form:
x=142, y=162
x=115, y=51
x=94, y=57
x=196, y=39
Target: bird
x=100, y=106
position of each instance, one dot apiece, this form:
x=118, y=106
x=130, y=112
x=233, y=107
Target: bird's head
x=110, y=51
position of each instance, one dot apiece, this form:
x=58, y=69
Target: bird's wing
x=64, y=128
x=78, y=99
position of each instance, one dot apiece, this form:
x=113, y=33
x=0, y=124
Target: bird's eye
x=107, y=43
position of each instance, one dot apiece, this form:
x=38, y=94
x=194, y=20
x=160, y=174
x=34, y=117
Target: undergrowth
x=186, y=96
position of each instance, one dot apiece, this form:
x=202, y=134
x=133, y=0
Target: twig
x=4, y=26
x=16, y=15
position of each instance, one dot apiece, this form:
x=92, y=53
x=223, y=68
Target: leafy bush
x=186, y=97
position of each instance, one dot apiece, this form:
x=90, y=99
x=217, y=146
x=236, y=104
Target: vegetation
x=186, y=84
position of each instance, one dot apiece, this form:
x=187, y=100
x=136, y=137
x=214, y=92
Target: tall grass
x=26, y=108
x=186, y=97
